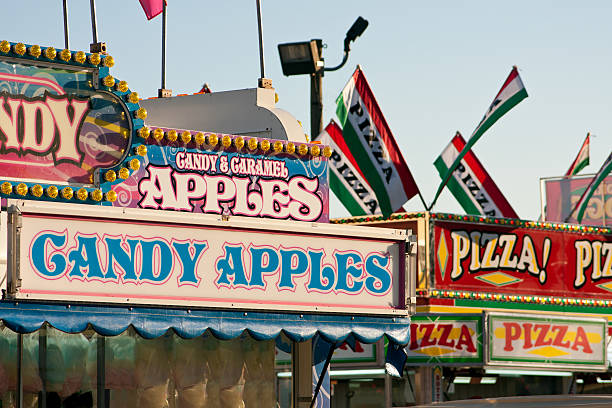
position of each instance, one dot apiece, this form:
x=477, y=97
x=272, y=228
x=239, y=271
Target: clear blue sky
x=433, y=66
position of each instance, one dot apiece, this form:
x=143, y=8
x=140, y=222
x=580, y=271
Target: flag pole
x=94, y=28
x=163, y=92
x=66, y=42
x=263, y=81
x=95, y=46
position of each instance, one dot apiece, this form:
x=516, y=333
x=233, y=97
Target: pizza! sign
x=546, y=342
x=445, y=339
x=515, y=260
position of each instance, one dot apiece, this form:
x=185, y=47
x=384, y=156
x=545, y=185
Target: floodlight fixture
x=300, y=58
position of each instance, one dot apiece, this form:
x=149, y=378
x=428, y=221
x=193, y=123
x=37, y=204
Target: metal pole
x=101, y=397
x=94, y=29
x=316, y=103
x=42, y=366
x=163, y=61
x=261, y=50
x=19, y=391
x=66, y=42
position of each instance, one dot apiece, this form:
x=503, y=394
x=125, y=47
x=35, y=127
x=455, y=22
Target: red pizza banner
x=507, y=259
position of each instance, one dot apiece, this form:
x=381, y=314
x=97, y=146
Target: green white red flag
x=511, y=93
x=583, y=203
x=345, y=177
x=582, y=160
x=470, y=183
x=372, y=144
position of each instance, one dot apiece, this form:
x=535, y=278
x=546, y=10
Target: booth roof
x=26, y=317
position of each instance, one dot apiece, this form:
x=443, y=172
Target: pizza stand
x=157, y=265
x=498, y=295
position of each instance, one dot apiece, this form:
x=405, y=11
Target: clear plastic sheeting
x=204, y=372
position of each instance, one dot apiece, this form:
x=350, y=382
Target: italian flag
x=345, y=178
x=471, y=184
x=511, y=93
x=373, y=146
x=582, y=160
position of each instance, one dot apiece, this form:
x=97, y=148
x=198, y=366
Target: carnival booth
x=159, y=265
x=506, y=306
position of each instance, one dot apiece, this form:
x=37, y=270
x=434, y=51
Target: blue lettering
x=85, y=258
x=231, y=265
x=165, y=261
x=287, y=269
x=258, y=268
x=122, y=258
x=346, y=271
x=374, y=266
x=188, y=262
x=57, y=261
x=320, y=279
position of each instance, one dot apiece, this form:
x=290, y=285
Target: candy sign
x=445, y=339
x=546, y=342
x=142, y=256
x=56, y=126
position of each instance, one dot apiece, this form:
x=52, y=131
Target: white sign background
x=214, y=233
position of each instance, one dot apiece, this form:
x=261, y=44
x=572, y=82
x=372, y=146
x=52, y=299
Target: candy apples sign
x=445, y=339
x=229, y=182
x=518, y=260
x=546, y=342
x=140, y=256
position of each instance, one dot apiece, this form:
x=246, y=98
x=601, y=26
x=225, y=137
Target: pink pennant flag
x=152, y=8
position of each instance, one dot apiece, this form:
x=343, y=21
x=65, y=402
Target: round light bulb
x=252, y=144
x=327, y=151
x=239, y=142
x=110, y=196
x=82, y=194
x=302, y=150
x=315, y=150
x=36, y=190
x=213, y=139
x=141, y=150
x=35, y=51
x=110, y=176
x=124, y=173
x=144, y=132
x=290, y=148
x=200, y=139
x=50, y=53
x=5, y=47
x=186, y=137
x=97, y=195
x=122, y=86
x=134, y=164
x=94, y=59
x=51, y=192
x=265, y=145
x=65, y=55
x=278, y=146
x=172, y=135
x=67, y=193
x=133, y=97
x=6, y=188
x=158, y=134
x=141, y=113
x=108, y=81
x=80, y=57
x=226, y=141
x=108, y=61
x=19, y=48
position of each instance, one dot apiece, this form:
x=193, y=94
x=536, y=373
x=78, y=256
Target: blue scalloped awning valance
x=26, y=317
